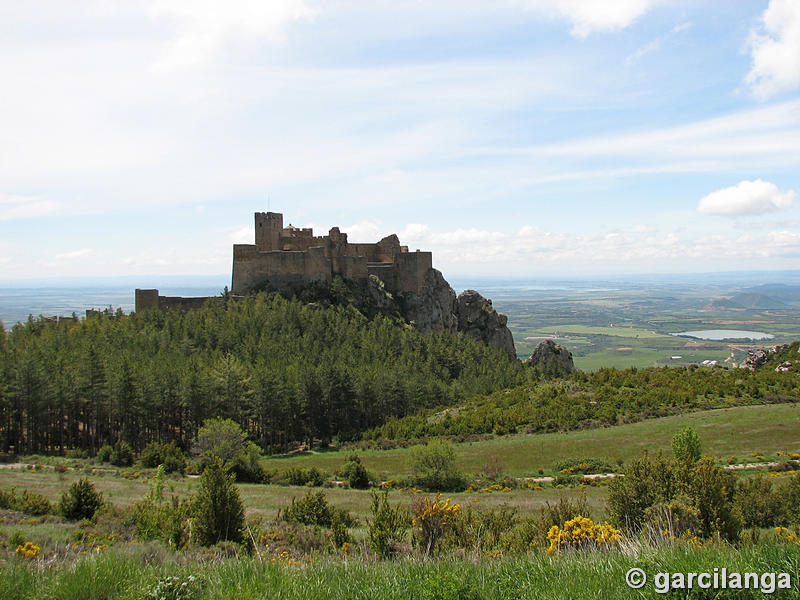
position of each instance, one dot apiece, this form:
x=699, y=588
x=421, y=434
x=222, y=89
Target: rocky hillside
x=436, y=308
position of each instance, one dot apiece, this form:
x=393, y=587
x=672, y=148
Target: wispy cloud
x=74, y=254
x=205, y=27
x=656, y=44
x=22, y=207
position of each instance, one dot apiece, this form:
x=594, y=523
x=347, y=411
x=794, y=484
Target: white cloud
x=74, y=254
x=639, y=229
x=207, y=26
x=784, y=238
x=775, y=46
x=238, y=235
x=22, y=207
x=531, y=250
x=747, y=198
x=656, y=44
x=590, y=16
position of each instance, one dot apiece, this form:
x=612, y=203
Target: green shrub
x=341, y=535
x=27, y=502
x=169, y=455
x=713, y=489
x=224, y=439
x=355, y=473
x=217, y=507
x=673, y=518
x=245, y=465
x=686, y=446
x=310, y=476
x=434, y=467
x=388, y=526
x=313, y=509
x=104, y=454
x=531, y=532
x=122, y=455
x=647, y=481
x=480, y=530
x=76, y=453
x=758, y=504
x=788, y=494
x=159, y=518
x=80, y=501
x=584, y=465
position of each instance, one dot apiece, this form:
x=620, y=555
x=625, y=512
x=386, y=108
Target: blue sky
x=513, y=138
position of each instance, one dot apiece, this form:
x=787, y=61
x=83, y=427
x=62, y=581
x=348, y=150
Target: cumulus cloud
x=206, y=26
x=775, y=47
x=74, y=254
x=591, y=16
x=747, y=198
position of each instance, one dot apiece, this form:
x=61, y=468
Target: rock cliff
x=436, y=308
x=480, y=321
x=433, y=308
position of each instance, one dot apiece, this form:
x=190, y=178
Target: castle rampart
x=287, y=258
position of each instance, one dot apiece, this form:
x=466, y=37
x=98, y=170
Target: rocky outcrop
x=755, y=359
x=432, y=308
x=551, y=360
x=477, y=318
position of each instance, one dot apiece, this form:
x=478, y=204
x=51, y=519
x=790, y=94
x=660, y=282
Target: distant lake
x=726, y=334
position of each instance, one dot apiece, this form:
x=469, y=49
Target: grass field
x=127, y=571
x=128, y=574
x=741, y=432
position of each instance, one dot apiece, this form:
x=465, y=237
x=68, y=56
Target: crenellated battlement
x=287, y=258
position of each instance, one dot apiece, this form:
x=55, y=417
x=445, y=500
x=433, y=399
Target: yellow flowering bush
x=433, y=517
x=28, y=550
x=581, y=532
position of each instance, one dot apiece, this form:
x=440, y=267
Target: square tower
x=268, y=231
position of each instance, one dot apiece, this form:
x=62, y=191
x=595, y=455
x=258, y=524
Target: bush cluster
x=434, y=469
x=308, y=476
x=314, y=509
x=169, y=455
x=26, y=502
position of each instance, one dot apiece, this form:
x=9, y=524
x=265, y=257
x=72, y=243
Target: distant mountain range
x=760, y=297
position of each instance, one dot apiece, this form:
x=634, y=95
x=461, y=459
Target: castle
x=286, y=258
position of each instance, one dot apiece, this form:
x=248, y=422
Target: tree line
x=285, y=371
x=605, y=397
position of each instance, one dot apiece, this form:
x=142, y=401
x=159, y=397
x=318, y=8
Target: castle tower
x=268, y=231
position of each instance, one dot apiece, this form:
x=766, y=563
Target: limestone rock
x=480, y=321
x=551, y=360
x=755, y=359
x=433, y=307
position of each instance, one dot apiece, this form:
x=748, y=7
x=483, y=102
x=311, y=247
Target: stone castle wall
x=149, y=299
x=286, y=258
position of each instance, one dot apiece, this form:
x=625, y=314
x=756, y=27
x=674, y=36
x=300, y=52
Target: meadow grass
x=128, y=573
x=740, y=432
